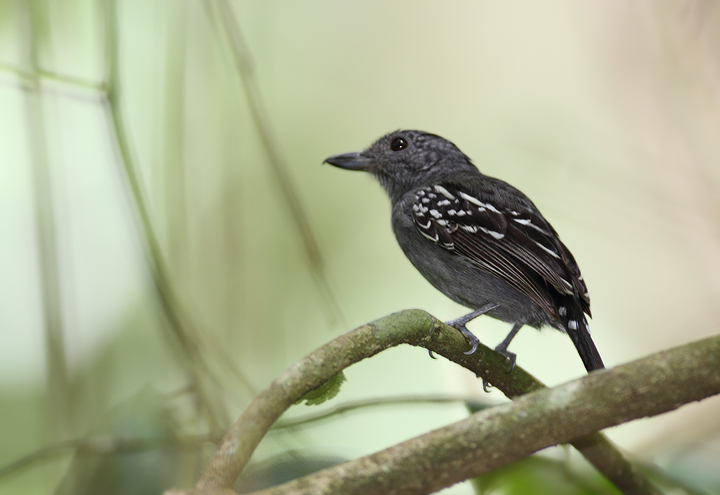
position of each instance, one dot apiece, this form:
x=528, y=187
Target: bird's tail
x=577, y=328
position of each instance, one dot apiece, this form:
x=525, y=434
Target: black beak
x=350, y=161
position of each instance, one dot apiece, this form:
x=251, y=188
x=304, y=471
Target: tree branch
x=495, y=437
x=486, y=440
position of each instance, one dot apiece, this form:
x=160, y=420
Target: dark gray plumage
x=477, y=239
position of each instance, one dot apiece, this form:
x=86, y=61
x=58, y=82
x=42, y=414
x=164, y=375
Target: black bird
x=477, y=239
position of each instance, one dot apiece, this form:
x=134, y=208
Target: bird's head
x=406, y=160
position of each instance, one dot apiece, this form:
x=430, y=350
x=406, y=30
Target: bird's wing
x=513, y=242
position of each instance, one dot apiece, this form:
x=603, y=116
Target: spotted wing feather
x=517, y=245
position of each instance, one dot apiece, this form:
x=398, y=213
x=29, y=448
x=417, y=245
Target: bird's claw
x=474, y=341
x=510, y=356
x=513, y=360
x=430, y=334
x=459, y=323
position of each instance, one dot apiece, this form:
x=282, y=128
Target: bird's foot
x=460, y=323
x=430, y=334
x=502, y=348
x=510, y=356
x=474, y=341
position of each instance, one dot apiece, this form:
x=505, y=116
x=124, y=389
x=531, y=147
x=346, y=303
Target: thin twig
x=32, y=77
x=59, y=389
x=383, y=401
x=103, y=446
x=178, y=319
x=108, y=445
x=278, y=165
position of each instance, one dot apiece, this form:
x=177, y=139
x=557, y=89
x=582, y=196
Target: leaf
x=324, y=392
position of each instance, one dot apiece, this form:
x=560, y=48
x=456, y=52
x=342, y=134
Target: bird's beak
x=350, y=161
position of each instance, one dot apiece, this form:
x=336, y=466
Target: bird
x=477, y=239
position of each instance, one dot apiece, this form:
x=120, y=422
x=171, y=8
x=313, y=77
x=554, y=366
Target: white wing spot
x=548, y=251
x=496, y=235
x=444, y=192
x=444, y=202
x=427, y=226
x=434, y=239
x=462, y=213
x=474, y=201
x=425, y=200
x=436, y=213
x=573, y=325
x=442, y=223
x=562, y=310
x=527, y=222
x=469, y=228
x=451, y=212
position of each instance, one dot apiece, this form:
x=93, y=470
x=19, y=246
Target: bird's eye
x=398, y=144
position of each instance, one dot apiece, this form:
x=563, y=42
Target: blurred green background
x=170, y=242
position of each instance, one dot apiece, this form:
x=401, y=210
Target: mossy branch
x=489, y=439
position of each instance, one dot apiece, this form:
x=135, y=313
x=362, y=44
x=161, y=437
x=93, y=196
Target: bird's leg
x=502, y=349
x=463, y=320
x=460, y=323
x=502, y=346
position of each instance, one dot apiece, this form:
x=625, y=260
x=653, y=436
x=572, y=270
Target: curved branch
x=410, y=327
x=308, y=374
x=495, y=437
